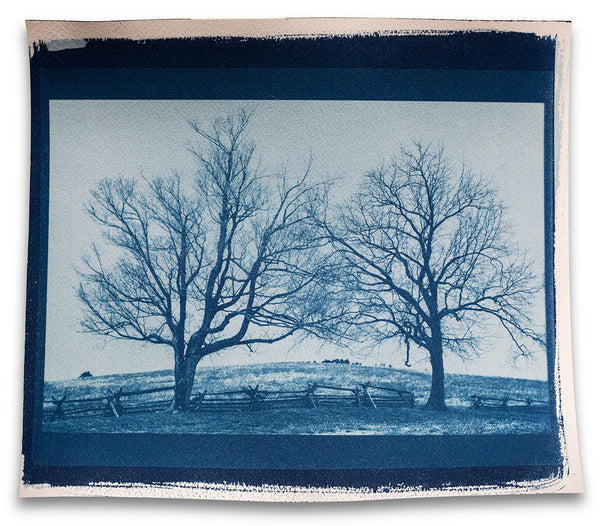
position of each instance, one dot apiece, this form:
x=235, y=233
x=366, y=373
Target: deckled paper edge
x=573, y=481
x=49, y=31
x=282, y=493
x=70, y=34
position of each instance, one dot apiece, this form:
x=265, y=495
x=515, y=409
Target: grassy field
x=323, y=420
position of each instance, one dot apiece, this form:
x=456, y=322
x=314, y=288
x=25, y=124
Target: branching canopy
x=230, y=261
x=425, y=246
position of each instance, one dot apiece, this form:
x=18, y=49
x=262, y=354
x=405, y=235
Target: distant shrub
x=338, y=360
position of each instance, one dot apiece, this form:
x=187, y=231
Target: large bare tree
x=430, y=259
x=231, y=262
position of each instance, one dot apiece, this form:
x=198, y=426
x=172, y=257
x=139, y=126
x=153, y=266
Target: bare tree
x=429, y=256
x=233, y=262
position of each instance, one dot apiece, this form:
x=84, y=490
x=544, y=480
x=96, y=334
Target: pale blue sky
x=90, y=140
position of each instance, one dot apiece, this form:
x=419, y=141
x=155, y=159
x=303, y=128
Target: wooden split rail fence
x=114, y=403
x=508, y=404
x=117, y=403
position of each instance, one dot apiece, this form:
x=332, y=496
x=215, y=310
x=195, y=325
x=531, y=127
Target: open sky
x=92, y=140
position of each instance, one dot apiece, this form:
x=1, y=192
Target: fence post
x=310, y=395
x=113, y=403
x=366, y=396
x=406, y=397
x=59, y=412
x=358, y=397
x=198, y=399
x=255, y=397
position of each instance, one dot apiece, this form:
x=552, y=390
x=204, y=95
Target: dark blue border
x=298, y=84
x=293, y=451
x=499, y=67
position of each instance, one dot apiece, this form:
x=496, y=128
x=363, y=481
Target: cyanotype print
x=268, y=262
x=296, y=267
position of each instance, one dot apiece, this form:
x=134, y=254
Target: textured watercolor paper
x=299, y=260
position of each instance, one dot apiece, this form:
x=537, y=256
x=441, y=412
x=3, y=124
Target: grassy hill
x=292, y=376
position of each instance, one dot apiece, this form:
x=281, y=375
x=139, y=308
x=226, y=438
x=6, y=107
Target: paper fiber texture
x=299, y=260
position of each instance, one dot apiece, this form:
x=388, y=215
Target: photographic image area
x=296, y=268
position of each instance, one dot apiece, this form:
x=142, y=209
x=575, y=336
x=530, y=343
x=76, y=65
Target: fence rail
x=252, y=398
x=508, y=404
x=120, y=402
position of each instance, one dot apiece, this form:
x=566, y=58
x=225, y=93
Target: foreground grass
x=322, y=421
x=460, y=419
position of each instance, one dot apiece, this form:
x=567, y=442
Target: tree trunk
x=184, y=372
x=437, y=400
